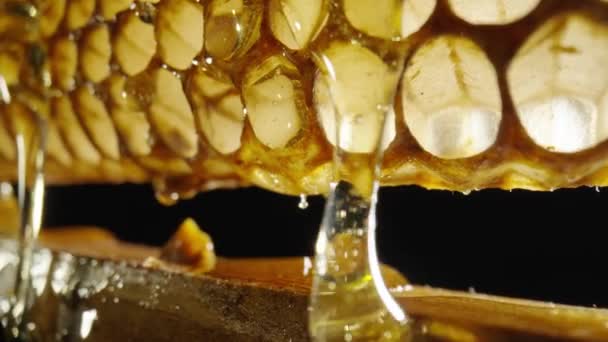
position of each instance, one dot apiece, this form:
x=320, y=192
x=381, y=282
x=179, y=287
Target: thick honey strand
x=349, y=300
x=193, y=95
x=31, y=189
x=28, y=122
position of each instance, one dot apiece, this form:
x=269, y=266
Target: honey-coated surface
x=193, y=95
x=241, y=299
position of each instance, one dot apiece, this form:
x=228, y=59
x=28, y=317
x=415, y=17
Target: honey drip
x=349, y=300
x=31, y=129
x=30, y=192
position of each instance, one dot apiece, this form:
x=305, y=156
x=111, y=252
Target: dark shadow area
x=547, y=246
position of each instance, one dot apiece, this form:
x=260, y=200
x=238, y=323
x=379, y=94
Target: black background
x=540, y=245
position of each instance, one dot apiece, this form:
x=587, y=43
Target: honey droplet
x=303, y=204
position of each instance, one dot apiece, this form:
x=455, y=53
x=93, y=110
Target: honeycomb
x=194, y=95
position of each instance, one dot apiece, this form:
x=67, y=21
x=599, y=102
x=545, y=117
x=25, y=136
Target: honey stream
x=30, y=191
x=349, y=299
x=31, y=142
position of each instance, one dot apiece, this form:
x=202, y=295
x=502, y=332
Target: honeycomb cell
x=492, y=12
x=232, y=27
x=96, y=53
x=96, y=119
x=78, y=13
x=51, y=14
x=171, y=116
x=55, y=146
x=219, y=109
x=64, y=63
x=274, y=101
x=415, y=14
x=377, y=18
x=451, y=98
x=390, y=19
x=130, y=120
x=74, y=135
x=296, y=23
x=180, y=32
x=134, y=129
x=134, y=44
x=557, y=81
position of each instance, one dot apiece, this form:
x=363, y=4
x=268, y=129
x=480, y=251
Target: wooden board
x=256, y=300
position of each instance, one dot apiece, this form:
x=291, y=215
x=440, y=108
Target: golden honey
x=200, y=95
x=294, y=95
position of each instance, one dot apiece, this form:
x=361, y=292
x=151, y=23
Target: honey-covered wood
x=255, y=300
